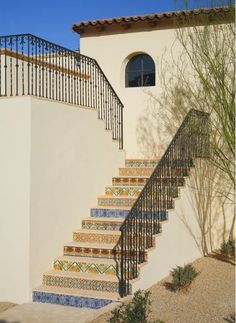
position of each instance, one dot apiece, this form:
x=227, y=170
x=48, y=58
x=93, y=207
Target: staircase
x=87, y=273
x=104, y=260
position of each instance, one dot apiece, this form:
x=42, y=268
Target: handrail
x=143, y=220
x=30, y=65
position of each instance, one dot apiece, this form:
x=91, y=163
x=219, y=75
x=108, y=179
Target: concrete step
x=82, y=281
x=96, y=236
x=76, y=298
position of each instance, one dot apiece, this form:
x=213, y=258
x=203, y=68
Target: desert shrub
x=135, y=311
x=228, y=248
x=182, y=277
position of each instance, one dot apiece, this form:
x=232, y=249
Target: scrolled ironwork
x=30, y=65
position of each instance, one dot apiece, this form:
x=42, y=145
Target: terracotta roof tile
x=82, y=25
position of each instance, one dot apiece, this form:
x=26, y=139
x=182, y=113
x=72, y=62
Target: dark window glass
x=140, y=71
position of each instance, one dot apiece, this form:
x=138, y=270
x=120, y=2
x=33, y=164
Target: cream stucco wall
x=181, y=238
x=55, y=160
x=14, y=199
x=113, y=52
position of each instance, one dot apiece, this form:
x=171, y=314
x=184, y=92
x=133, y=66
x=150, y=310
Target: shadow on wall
x=3, y=321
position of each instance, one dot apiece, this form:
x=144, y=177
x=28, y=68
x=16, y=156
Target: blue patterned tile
x=118, y=213
x=110, y=213
x=75, y=301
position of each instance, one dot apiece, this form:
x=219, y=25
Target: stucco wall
x=14, y=199
x=181, y=238
x=113, y=52
x=56, y=160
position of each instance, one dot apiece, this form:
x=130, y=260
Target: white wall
x=180, y=240
x=112, y=53
x=61, y=166
x=14, y=199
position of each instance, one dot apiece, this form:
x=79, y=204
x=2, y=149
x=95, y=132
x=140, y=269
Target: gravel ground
x=5, y=306
x=211, y=298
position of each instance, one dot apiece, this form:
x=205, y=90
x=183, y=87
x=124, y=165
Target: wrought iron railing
x=143, y=220
x=30, y=65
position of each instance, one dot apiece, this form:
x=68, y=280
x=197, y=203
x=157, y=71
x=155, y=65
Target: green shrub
x=228, y=248
x=136, y=311
x=182, y=277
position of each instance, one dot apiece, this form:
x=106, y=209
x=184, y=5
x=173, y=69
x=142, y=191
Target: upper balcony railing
x=30, y=65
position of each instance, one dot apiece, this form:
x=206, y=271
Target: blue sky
x=53, y=19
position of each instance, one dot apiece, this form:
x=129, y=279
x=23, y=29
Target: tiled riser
x=134, y=192
x=102, y=269
x=123, y=191
x=67, y=282
x=95, y=238
x=109, y=213
x=140, y=163
x=69, y=300
x=80, y=267
x=128, y=181
x=128, y=203
x=117, y=202
x=93, y=252
x=101, y=226
x=146, y=172
x=89, y=252
x=123, y=213
x=131, y=181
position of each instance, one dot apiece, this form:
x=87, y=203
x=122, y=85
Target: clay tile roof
x=83, y=25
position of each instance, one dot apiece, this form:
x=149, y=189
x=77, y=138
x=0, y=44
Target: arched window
x=140, y=71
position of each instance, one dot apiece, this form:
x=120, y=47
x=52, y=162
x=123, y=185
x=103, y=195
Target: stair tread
x=117, y=197
x=77, y=292
x=79, y=275
x=103, y=219
x=90, y=245
x=139, y=168
x=121, y=208
x=113, y=232
x=125, y=186
x=87, y=259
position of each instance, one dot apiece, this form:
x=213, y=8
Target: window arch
x=140, y=71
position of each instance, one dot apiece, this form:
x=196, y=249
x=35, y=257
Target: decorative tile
x=79, y=283
x=95, y=237
x=109, y=213
x=145, y=172
x=84, y=267
x=140, y=163
x=116, y=202
x=104, y=225
x=129, y=181
x=90, y=252
x=95, y=252
x=123, y=191
x=70, y=300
